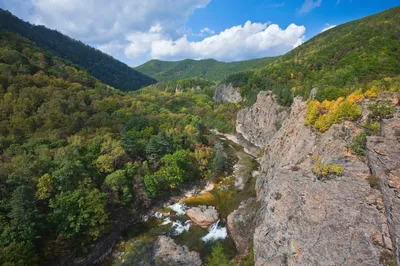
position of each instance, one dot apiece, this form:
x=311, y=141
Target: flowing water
x=225, y=194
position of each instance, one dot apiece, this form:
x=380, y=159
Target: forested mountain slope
x=100, y=65
x=336, y=61
x=208, y=69
x=78, y=158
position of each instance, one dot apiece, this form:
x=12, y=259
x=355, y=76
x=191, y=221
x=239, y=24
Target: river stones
x=203, y=216
x=168, y=253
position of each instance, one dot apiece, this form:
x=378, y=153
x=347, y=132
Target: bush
x=326, y=170
x=359, y=144
x=218, y=257
x=382, y=110
x=323, y=115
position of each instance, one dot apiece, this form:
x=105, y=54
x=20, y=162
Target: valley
x=286, y=160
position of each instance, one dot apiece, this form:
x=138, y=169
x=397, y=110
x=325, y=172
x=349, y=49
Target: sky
x=135, y=31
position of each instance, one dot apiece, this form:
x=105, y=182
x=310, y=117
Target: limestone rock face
x=227, y=93
x=168, y=253
x=259, y=122
x=384, y=156
x=306, y=220
x=241, y=222
x=203, y=216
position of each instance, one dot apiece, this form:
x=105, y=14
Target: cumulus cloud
x=328, y=27
x=134, y=31
x=102, y=20
x=252, y=40
x=309, y=5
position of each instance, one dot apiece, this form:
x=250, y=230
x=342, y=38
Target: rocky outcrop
x=168, y=253
x=259, y=122
x=203, y=216
x=241, y=222
x=308, y=220
x=227, y=93
x=384, y=158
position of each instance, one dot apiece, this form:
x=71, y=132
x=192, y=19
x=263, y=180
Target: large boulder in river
x=203, y=216
x=168, y=253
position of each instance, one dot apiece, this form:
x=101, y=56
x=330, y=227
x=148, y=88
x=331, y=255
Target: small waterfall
x=180, y=227
x=215, y=232
x=179, y=208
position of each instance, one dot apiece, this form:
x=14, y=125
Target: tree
x=158, y=146
x=79, y=212
x=19, y=254
x=218, y=257
x=23, y=214
x=220, y=159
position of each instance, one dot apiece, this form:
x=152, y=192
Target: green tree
x=218, y=257
x=19, y=254
x=79, y=212
x=220, y=160
x=158, y=146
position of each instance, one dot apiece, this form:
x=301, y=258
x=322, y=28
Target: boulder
x=241, y=222
x=203, y=216
x=168, y=253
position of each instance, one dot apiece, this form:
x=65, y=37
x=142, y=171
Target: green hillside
x=208, y=69
x=100, y=65
x=336, y=61
x=80, y=159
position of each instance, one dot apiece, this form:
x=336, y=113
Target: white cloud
x=138, y=30
x=328, y=27
x=309, y=5
x=104, y=20
x=207, y=31
x=252, y=40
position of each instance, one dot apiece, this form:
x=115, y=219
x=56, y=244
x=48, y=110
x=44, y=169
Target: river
x=225, y=194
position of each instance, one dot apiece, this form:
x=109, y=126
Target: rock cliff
x=307, y=220
x=259, y=122
x=227, y=93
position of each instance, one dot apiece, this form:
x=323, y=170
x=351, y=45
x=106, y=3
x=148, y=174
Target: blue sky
x=135, y=31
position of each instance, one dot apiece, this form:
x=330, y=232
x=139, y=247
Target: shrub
x=218, y=257
x=359, y=144
x=382, y=110
x=326, y=170
x=323, y=115
x=374, y=181
x=372, y=127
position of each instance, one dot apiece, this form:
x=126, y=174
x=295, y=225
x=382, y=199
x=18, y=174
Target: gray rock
x=168, y=253
x=304, y=220
x=241, y=222
x=384, y=156
x=227, y=93
x=259, y=122
x=203, y=216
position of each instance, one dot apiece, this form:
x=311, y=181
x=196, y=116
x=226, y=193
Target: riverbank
x=225, y=194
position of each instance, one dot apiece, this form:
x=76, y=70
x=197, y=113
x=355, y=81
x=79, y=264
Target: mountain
x=80, y=160
x=336, y=61
x=98, y=64
x=208, y=69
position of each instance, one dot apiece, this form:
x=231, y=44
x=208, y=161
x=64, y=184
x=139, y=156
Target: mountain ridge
x=210, y=69
x=98, y=64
